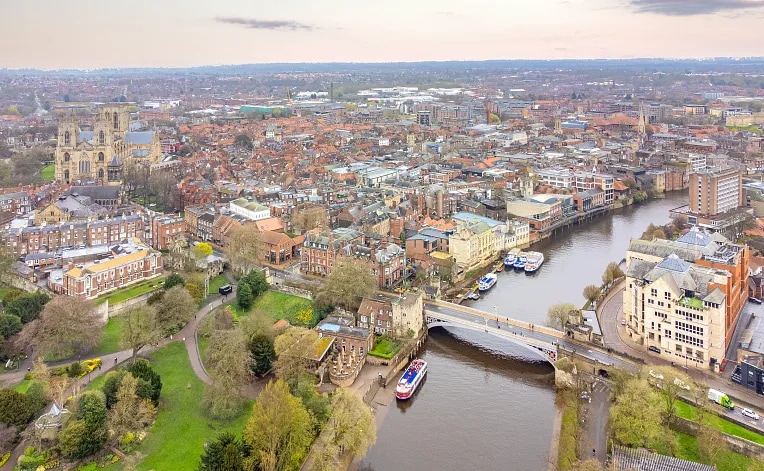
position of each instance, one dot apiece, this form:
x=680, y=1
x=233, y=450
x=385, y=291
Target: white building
x=249, y=209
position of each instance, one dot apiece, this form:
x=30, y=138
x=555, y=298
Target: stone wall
x=24, y=284
x=124, y=306
x=303, y=293
x=736, y=444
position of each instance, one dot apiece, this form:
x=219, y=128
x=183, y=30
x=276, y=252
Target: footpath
x=609, y=315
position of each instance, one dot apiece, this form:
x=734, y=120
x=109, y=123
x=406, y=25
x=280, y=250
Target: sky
x=90, y=34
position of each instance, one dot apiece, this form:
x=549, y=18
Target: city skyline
x=86, y=35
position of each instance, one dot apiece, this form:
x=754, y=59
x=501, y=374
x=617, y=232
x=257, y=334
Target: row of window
x=688, y=339
x=689, y=315
x=693, y=329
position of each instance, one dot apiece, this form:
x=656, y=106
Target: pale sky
x=90, y=34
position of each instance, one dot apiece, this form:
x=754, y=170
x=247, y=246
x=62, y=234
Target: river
x=485, y=405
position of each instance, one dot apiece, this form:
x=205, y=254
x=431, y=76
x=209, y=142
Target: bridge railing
x=458, y=321
x=523, y=325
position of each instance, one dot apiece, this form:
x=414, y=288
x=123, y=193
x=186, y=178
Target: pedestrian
x=194, y=316
x=99, y=366
x=29, y=369
x=115, y=360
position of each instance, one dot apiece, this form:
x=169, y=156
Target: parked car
x=681, y=384
x=749, y=413
x=653, y=348
x=751, y=299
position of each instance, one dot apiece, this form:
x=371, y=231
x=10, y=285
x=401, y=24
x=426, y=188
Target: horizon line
x=199, y=66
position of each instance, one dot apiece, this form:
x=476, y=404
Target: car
x=751, y=299
x=655, y=375
x=653, y=348
x=749, y=413
x=681, y=384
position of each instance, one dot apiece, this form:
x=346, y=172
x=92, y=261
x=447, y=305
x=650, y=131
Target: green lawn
x=284, y=306
x=131, y=291
x=22, y=386
x=204, y=342
x=384, y=347
x=727, y=461
x=687, y=411
x=176, y=440
x=5, y=289
x=97, y=383
x=216, y=283
x=48, y=172
x=110, y=337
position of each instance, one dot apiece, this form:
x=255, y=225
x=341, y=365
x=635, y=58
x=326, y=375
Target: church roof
x=115, y=162
x=139, y=138
x=86, y=136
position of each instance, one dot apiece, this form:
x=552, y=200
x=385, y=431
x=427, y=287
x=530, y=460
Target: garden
x=385, y=347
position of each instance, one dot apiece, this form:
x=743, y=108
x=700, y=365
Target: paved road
x=610, y=313
x=595, y=427
x=533, y=333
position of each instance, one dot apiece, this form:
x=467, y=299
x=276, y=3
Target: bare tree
x=245, y=249
x=139, y=329
x=560, y=314
x=67, y=325
x=309, y=218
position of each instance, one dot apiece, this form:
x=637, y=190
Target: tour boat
x=509, y=260
x=533, y=261
x=519, y=264
x=487, y=282
x=411, y=379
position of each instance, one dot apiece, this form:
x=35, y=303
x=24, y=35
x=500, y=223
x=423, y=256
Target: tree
x=27, y=306
x=228, y=361
x=201, y=250
x=244, y=297
x=635, y=418
x=256, y=281
x=245, y=249
x=130, y=412
x=174, y=309
x=279, y=430
x=649, y=232
x=225, y=453
x=307, y=219
x=319, y=405
x=86, y=434
x=711, y=443
x=243, y=141
x=612, y=273
x=670, y=386
x=351, y=424
x=560, y=314
x=139, y=329
x=294, y=351
x=10, y=325
x=15, y=408
x=659, y=234
x=173, y=280
x=347, y=284
x=195, y=291
x=142, y=370
x=67, y=325
x=592, y=293
x=262, y=352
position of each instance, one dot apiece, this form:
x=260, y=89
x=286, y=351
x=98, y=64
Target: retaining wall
x=736, y=444
x=124, y=306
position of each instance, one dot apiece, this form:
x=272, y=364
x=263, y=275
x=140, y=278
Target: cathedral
x=100, y=155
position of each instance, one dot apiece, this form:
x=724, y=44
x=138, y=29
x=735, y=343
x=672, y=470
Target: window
x=66, y=175
x=67, y=157
x=67, y=138
x=116, y=120
x=100, y=157
x=101, y=138
x=653, y=292
x=100, y=173
x=667, y=296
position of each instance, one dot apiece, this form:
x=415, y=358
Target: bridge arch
x=548, y=354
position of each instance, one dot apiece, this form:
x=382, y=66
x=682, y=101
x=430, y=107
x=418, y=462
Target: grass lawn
x=97, y=383
x=110, y=337
x=131, y=291
x=48, y=172
x=22, y=386
x=284, y=306
x=687, y=411
x=216, y=283
x=727, y=461
x=566, y=452
x=204, y=342
x=384, y=347
x=176, y=440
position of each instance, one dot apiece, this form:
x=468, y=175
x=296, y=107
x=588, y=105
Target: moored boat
x=533, y=261
x=411, y=379
x=487, y=282
x=519, y=264
x=498, y=268
x=509, y=260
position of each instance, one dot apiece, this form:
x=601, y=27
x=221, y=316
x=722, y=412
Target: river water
x=485, y=405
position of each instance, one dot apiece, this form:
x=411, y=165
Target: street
x=595, y=411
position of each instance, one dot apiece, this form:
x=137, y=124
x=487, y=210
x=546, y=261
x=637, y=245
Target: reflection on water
x=486, y=404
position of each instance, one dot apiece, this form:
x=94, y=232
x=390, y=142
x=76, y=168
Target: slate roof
x=639, y=459
x=674, y=263
x=139, y=138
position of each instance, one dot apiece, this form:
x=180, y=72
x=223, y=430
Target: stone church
x=101, y=154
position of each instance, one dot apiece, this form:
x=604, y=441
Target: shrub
x=10, y=325
x=74, y=370
x=15, y=408
x=142, y=370
x=4, y=459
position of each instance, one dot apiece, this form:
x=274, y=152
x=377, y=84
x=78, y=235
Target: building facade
x=100, y=154
x=165, y=230
x=683, y=297
x=716, y=191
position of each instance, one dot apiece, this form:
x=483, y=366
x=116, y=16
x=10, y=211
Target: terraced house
x=683, y=297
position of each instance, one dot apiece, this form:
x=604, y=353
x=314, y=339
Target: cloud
x=693, y=7
x=274, y=25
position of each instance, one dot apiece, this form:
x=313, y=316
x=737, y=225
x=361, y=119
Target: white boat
x=411, y=379
x=533, y=261
x=522, y=257
x=509, y=260
x=487, y=282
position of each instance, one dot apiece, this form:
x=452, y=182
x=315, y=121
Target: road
x=534, y=332
x=595, y=414
x=610, y=313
